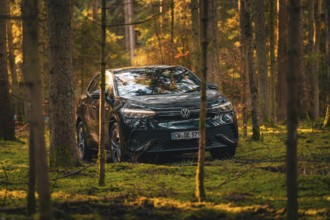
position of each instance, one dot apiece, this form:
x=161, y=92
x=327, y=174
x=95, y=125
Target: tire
x=117, y=151
x=82, y=148
x=223, y=153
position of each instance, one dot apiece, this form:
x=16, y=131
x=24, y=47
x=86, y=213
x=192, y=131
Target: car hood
x=170, y=101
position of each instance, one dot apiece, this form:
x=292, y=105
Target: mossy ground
x=249, y=186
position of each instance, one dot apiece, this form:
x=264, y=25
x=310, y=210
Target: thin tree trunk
x=31, y=197
x=295, y=61
x=315, y=73
x=33, y=81
x=101, y=154
x=11, y=56
x=158, y=37
x=62, y=130
x=249, y=56
x=95, y=9
x=126, y=26
x=172, y=31
x=326, y=122
x=272, y=86
x=7, y=126
x=262, y=66
x=131, y=29
x=310, y=64
x=243, y=68
x=213, y=67
x=200, y=189
x=304, y=84
x=282, y=61
x=195, y=28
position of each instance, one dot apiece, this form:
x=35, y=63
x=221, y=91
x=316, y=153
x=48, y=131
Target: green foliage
x=252, y=185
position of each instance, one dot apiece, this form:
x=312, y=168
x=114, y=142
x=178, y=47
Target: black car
x=154, y=109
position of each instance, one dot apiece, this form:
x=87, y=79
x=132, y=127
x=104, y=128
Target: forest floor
x=249, y=186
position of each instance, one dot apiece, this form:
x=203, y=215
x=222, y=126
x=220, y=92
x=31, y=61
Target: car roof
x=142, y=67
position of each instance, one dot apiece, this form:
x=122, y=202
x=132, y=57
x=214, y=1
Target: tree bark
x=172, y=32
x=101, y=154
x=262, y=66
x=303, y=88
x=95, y=9
x=33, y=82
x=131, y=30
x=7, y=126
x=61, y=120
x=295, y=61
x=243, y=68
x=310, y=67
x=31, y=197
x=272, y=86
x=213, y=64
x=315, y=73
x=281, y=91
x=326, y=122
x=195, y=28
x=250, y=69
x=200, y=189
x=11, y=55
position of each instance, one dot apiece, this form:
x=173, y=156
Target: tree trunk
x=95, y=9
x=262, y=66
x=295, y=61
x=33, y=81
x=101, y=154
x=11, y=55
x=281, y=91
x=131, y=30
x=303, y=87
x=213, y=67
x=172, y=32
x=243, y=68
x=7, y=126
x=195, y=28
x=272, y=86
x=326, y=122
x=61, y=120
x=310, y=67
x=315, y=73
x=200, y=190
x=250, y=69
x=158, y=35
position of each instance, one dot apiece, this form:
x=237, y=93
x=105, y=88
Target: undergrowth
x=249, y=186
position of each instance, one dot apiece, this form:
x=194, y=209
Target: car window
x=155, y=81
x=94, y=84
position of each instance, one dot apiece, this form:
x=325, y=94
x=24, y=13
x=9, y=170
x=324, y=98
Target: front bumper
x=160, y=140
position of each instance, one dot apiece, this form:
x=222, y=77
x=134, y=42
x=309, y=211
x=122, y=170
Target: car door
x=92, y=108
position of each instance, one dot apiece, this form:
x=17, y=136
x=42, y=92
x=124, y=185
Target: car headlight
x=224, y=107
x=136, y=113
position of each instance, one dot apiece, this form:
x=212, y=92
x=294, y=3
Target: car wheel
x=223, y=153
x=83, y=152
x=116, y=146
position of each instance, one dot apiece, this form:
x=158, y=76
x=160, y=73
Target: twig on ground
x=74, y=172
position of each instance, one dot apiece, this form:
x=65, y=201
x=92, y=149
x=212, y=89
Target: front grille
x=161, y=139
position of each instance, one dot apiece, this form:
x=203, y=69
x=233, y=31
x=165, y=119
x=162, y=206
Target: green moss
x=251, y=185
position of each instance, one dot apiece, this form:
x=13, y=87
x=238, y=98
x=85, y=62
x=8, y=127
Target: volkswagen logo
x=185, y=113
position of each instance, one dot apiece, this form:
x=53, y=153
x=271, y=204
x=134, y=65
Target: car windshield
x=155, y=81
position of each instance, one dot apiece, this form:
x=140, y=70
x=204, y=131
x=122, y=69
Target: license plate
x=184, y=135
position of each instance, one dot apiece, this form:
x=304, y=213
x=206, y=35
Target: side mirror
x=212, y=86
x=95, y=94
x=109, y=96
